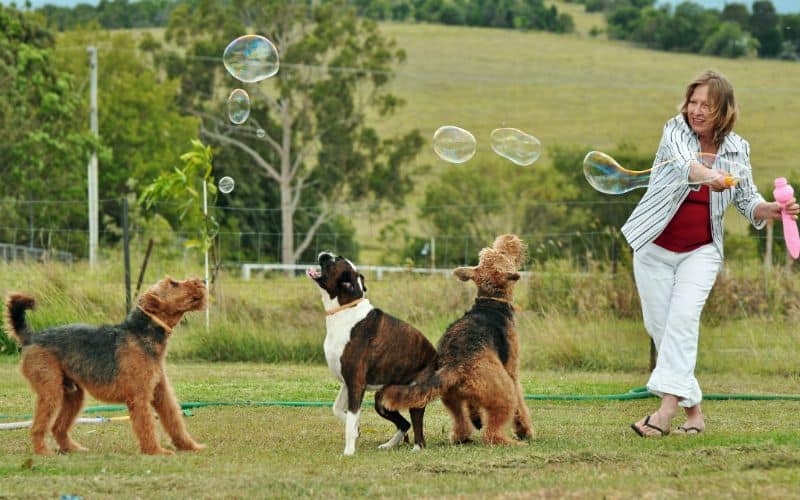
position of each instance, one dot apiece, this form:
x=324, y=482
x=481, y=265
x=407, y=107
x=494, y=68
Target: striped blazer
x=669, y=187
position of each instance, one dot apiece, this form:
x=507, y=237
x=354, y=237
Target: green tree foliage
x=790, y=27
x=732, y=32
x=46, y=144
x=139, y=120
x=513, y=14
x=736, y=13
x=309, y=132
x=764, y=26
x=114, y=14
x=192, y=188
x=469, y=204
x=729, y=40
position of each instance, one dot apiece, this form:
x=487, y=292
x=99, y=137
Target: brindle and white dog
x=367, y=349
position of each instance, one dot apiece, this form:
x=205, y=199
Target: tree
x=318, y=145
x=736, y=13
x=764, y=26
x=139, y=121
x=729, y=41
x=46, y=142
x=464, y=212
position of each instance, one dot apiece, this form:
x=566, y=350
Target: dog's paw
x=189, y=446
x=158, y=451
x=73, y=447
x=394, y=441
x=196, y=447
x=45, y=452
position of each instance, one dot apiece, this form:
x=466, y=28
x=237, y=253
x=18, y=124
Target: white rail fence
x=249, y=268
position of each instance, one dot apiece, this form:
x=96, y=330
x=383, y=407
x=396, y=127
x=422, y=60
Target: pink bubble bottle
x=783, y=193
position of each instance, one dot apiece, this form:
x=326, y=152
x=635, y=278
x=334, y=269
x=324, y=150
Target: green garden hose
x=635, y=393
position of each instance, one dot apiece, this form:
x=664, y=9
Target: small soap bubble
x=515, y=145
x=226, y=185
x=251, y=58
x=454, y=144
x=238, y=106
x=261, y=133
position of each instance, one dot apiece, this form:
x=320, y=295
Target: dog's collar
x=331, y=312
x=498, y=299
x=156, y=320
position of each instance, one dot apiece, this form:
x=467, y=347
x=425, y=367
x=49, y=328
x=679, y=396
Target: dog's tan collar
x=331, y=312
x=156, y=320
x=498, y=299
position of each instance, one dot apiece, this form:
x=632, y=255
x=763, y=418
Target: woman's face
x=699, y=112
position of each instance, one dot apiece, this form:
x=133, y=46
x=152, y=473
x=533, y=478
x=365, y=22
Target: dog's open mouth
x=313, y=274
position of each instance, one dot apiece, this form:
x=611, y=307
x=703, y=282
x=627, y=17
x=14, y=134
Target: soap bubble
x=251, y=58
x=609, y=177
x=261, y=133
x=515, y=145
x=454, y=144
x=238, y=106
x=226, y=185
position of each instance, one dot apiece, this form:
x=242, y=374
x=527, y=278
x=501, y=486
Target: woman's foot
x=695, y=423
x=691, y=427
x=652, y=426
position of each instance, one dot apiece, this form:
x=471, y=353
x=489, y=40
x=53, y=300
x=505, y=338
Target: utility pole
x=92, y=170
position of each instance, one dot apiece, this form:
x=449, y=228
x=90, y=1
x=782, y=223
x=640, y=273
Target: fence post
x=126, y=252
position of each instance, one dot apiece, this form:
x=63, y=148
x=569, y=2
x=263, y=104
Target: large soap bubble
x=251, y=58
x=606, y=175
x=454, y=144
x=515, y=145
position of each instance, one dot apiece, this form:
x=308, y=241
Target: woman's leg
x=677, y=356
x=673, y=288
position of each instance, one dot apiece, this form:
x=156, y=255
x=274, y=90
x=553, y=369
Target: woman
x=676, y=233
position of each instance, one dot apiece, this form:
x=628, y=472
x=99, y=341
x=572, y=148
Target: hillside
x=574, y=90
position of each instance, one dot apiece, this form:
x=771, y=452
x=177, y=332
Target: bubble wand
x=783, y=193
x=606, y=175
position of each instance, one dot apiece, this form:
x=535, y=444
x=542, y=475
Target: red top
x=690, y=228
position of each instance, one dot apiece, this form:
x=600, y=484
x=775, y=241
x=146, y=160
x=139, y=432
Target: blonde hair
x=722, y=100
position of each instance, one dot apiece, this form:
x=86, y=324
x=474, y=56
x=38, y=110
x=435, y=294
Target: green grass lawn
x=581, y=449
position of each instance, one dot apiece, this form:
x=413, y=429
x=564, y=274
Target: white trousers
x=673, y=288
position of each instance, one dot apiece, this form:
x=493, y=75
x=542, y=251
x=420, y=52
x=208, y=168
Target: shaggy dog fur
x=478, y=378
x=121, y=363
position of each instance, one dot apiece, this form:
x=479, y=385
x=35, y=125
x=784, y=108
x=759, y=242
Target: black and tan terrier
x=123, y=363
x=478, y=375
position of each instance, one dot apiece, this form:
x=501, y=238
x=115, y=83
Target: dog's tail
x=16, y=326
x=420, y=393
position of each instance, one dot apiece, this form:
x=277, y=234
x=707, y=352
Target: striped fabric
x=669, y=187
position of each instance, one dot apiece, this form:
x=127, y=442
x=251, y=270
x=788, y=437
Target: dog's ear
x=363, y=286
x=512, y=276
x=151, y=303
x=464, y=273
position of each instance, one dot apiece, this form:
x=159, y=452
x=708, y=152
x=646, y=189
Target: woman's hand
x=721, y=180
x=717, y=180
x=772, y=209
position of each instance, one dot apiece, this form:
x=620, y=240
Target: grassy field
x=577, y=90
x=581, y=449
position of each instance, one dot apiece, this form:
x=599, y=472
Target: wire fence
x=58, y=230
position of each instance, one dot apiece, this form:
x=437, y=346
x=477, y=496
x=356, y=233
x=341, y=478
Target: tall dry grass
x=568, y=319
